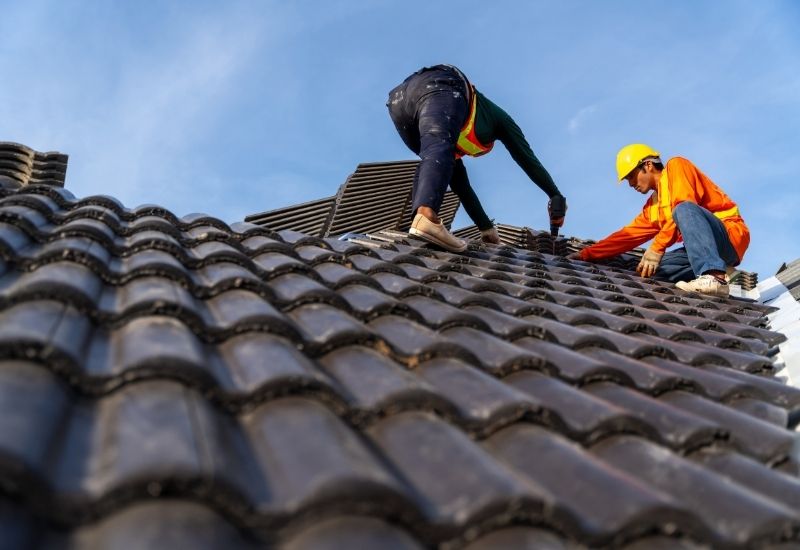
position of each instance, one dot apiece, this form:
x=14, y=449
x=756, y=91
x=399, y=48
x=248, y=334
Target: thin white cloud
x=579, y=118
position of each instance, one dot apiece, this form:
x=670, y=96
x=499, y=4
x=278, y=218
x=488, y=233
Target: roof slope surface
x=178, y=382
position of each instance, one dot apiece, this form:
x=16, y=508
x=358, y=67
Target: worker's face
x=642, y=179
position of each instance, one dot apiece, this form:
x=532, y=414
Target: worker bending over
x=441, y=117
x=684, y=205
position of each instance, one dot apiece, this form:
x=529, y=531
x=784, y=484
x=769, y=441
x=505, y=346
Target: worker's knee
x=684, y=209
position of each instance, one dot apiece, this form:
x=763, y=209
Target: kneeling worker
x=684, y=205
x=441, y=117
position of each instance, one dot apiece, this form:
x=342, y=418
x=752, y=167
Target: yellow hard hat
x=630, y=156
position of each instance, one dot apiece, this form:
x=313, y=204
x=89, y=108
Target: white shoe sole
x=432, y=239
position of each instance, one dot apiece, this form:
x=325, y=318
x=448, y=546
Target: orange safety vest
x=468, y=143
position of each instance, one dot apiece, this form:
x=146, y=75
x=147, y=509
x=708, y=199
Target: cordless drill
x=556, y=209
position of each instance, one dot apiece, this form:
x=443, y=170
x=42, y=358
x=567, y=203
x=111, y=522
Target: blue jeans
x=428, y=110
x=707, y=246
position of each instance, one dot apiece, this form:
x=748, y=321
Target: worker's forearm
x=616, y=243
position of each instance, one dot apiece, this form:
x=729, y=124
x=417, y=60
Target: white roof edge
x=786, y=321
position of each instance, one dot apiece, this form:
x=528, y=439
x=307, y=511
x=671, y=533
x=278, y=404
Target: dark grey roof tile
x=256, y=367
x=368, y=303
x=523, y=538
x=352, y=532
x=13, y=241
x=336, y=275
x=664, y=543
x=330, y=466
x=507, y=326
x=76, y=249
x=67, y=282
x=149, y=343
x=370, y=264
x=676, y=428
x=30, y=219
x=572, y=337
x=750, y=473
x=495, y=355
x=648, y=376
x=277, y=263
x=577, y=368
x=716, y=385
x=149, y=262
x=256, y=244
x=142, y=220
x=439, y=315
x=210, y=251
x=517, y=307
x=574, y=412
x=593, y=499
x=294, y=289
x=635, y=344
x=375, y=385
x=158, y=525
x=214, y=278
x=151, y=295
x=33, y=406
x=761, y=440
x=415, y=343
x=400, y=286
x=148, y=238
x=774, y=391
x=459, y=297
x=734, y=515
x=762, y=410
x=325, y=328
x=313, y=254
x=482, y=402
x=93, y=229
x=45, y=330
x=460, y=484
x=699, y=354
x=422, y=274
x=236, y=311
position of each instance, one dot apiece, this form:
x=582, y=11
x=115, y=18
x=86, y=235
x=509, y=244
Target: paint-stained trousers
x=428, y=109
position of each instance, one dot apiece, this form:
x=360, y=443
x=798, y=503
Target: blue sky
x=239, y=107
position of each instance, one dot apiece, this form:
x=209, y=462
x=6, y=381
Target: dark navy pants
x=707, y=246
x=428, y=109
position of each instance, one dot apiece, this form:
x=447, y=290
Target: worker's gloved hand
x=574, y=256
x=557, y=210
x=650, y=260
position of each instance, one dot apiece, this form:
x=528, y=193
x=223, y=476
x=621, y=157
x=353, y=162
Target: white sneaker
x=705, y=284
x=490, y=236
x=436, y=233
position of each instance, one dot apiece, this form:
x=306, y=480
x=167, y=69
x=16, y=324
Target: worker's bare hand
x=649, y=264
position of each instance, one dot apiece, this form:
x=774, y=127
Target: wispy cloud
x=579, y=118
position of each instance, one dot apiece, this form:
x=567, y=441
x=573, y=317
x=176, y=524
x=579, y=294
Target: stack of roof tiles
x=376, y=196
x=789, y=275
x=182, y=383
x=21, y=165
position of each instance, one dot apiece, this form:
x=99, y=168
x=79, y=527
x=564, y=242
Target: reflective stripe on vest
x=664, y=201
x=468, y=143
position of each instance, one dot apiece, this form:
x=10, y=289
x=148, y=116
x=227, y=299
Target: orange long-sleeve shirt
x=680, y=181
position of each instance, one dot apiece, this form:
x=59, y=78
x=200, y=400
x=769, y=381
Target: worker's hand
x=557, y=210
x=650, y=260
x=573, y=256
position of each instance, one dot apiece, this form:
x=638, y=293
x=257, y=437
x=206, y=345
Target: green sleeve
x=493, y=123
